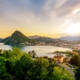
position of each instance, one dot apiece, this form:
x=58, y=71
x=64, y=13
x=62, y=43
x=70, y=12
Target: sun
x=76, y=11
x=73, y=29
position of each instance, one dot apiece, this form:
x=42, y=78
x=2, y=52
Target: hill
x=17, y=38
x=42, y=39
x=50, y=41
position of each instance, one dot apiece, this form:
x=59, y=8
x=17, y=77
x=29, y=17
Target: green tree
x=50, y=69
x=75, y=60
x=4, y=75
x=38, y=70
x=61, y=74
x=22, y=66
x=17, y=65
x=77, y=73
x=13, y=54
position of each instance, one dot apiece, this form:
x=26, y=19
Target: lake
x=40, y=50
x=5, y=47
x=44, y=50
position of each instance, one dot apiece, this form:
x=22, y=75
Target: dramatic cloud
x=31, y=15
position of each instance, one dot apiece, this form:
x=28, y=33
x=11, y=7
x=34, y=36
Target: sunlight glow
x=73, y=29
x=76, y=11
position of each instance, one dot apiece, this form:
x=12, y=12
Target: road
x=67, y=68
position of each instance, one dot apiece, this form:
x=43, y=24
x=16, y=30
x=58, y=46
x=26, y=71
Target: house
x=59, y=59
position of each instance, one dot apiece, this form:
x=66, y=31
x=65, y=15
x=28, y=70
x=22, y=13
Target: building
x=59, y=59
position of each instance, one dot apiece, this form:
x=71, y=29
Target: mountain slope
x=49, y=41
x=42, y=39
x=17, y=38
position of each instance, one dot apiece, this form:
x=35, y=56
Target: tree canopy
x=18, y=65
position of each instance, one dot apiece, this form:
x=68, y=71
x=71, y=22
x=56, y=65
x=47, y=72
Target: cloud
x=48, y=14
x=68, y=7
x=42, y=8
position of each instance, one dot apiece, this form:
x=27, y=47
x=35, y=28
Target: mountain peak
x=16, y=38
x=17, y=33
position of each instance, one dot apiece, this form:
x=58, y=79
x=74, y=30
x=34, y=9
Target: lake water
x=44, y=50
x=5, y=47
x=40, y=50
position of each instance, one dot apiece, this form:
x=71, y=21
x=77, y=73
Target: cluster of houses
x=57, y=59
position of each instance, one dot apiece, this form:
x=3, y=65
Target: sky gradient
x=52, y=18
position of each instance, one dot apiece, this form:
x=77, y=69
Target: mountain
x=49, y=41
x=17, y=38
x=71, y=38
x=34, y=37
x=42, y=39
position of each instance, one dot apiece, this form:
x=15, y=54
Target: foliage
x=4, y=75
x=75, y=60
x=61, y=74
x=32, y=54
x=38, y=70
x=17, y=65
x=77, y=73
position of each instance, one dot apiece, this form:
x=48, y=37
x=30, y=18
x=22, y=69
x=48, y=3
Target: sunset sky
x=52, y=18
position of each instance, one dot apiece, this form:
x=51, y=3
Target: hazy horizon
x=50, y=18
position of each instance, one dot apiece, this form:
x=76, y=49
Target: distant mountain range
x=71, y=38
x=42, y=39
x=50, y=41
x=18, y=38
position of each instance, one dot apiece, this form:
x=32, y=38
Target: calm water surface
x=40, y=50
x=5, y=47
x=44, y=50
